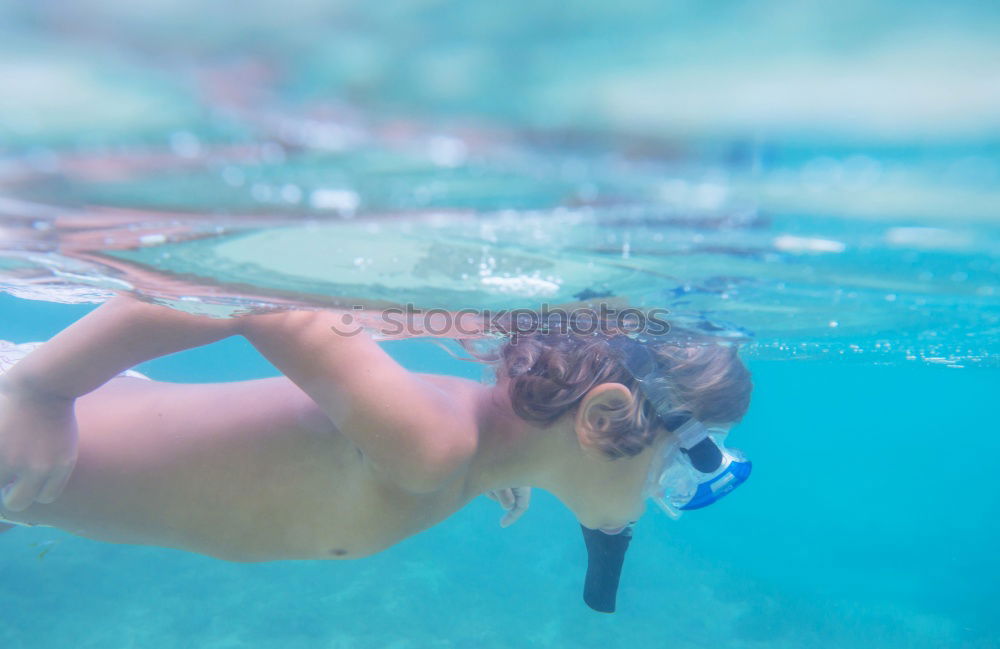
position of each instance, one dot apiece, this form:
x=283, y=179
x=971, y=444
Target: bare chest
x=244, y=471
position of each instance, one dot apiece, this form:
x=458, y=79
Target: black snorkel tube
x=606, y=552
x=605, y=556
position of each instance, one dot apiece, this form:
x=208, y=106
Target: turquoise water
x=870, y=521
x=821, y=183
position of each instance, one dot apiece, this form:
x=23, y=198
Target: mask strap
x=690, y=433
x=692, y=436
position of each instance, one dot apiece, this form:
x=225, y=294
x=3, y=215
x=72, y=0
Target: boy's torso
x=251, y=470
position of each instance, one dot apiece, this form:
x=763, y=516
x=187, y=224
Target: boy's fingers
x=511, y=517
x=21, y=493
x=523, y=497
x=522, y=500
x=54, y=485
x=503, y=496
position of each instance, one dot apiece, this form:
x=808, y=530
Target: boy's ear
x=592, y=422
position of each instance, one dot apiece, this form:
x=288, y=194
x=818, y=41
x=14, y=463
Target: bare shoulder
x=451, y=439
x=461, y=394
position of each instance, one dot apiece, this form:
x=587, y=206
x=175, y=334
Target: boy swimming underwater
x=346, y=454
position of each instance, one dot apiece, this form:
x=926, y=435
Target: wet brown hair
x=548, y=374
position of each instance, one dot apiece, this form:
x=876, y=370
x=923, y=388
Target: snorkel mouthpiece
x=704, y=456
x=605, y=556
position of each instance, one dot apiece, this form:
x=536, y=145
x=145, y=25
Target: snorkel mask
x=694, y=470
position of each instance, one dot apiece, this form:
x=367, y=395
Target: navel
x=338, y=552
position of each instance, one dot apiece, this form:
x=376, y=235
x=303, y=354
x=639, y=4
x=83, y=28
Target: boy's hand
x=38, y=448
x=514, y=499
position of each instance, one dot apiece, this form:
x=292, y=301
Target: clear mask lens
x=676, y=485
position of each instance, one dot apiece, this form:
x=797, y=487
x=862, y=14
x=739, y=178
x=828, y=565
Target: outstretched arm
x=37, y=423
x=119, y=334
x=410, y=429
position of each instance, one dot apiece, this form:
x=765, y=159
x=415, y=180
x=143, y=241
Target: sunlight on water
x=784, y=256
